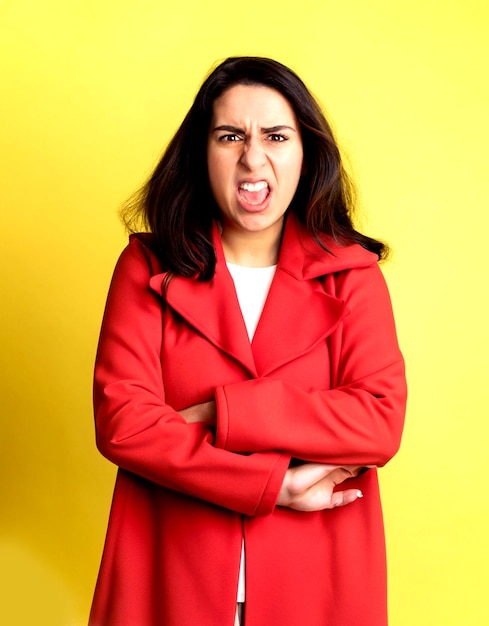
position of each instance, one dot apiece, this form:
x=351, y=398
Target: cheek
x=293, y=171
x=291, y=163
x=219, y=181
x=218, y=170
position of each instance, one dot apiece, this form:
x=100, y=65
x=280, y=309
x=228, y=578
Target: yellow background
x=91, y=92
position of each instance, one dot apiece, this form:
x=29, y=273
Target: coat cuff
x=272, y=488
x=222, y=426
x=278, y=467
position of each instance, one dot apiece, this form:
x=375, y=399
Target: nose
x=253, y=155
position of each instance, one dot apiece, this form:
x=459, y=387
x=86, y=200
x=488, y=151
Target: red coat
x=323, y=380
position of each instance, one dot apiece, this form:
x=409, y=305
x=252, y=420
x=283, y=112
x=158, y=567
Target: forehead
x=253, y=103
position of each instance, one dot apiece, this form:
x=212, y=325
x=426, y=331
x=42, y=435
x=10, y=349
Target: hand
x=205, y=412
x=309, y=487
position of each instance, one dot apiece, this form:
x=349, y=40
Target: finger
x=342, y=498
x=339, y=475
x=304, y=476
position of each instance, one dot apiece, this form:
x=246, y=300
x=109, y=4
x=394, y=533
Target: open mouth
x=254, y=193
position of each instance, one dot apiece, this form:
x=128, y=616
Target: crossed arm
x=306, y=487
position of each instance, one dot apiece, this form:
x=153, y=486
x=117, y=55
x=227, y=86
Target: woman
x=247, y=367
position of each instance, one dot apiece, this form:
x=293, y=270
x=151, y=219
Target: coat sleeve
x=359, y=419
x=139, y=432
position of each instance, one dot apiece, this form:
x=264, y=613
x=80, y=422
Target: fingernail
x=359, y=494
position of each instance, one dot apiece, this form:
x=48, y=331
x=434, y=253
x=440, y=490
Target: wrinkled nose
x=253, y=155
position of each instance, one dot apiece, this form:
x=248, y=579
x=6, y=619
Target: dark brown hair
x=176, y=203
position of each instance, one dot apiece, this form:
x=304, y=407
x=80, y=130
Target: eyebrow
x=240, y=131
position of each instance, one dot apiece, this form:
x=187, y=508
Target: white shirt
x=252, y=285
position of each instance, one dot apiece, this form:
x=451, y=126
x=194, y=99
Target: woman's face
x=254, y=158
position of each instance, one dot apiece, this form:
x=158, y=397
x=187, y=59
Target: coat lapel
x=212, y=308
x=298, y=313
x=296, y=316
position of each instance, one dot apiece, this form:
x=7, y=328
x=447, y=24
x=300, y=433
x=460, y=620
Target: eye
x=229, y=138
x=277, y=137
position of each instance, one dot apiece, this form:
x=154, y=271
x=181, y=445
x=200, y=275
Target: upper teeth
x=254, y=186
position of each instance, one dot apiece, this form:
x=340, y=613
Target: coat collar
x=303, y=258
x=297, y=315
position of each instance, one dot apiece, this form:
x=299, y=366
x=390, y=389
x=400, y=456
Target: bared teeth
x=254, y=193
x=259, y=186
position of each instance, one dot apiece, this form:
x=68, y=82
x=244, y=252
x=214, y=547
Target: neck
x=258, y=249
